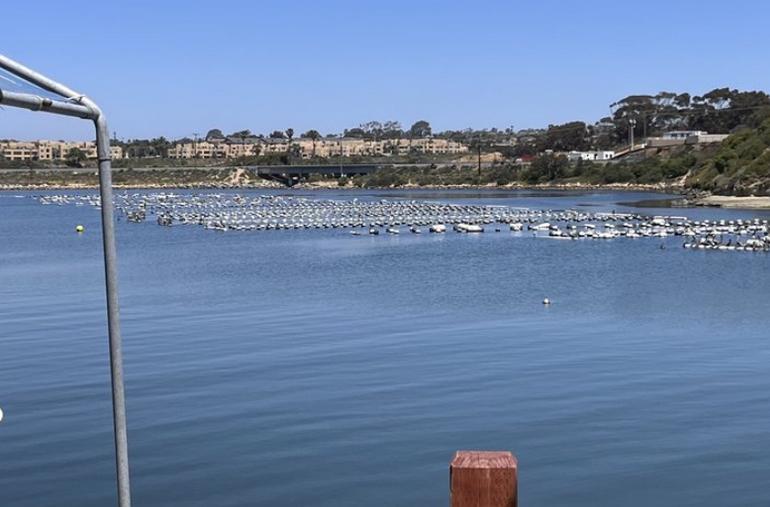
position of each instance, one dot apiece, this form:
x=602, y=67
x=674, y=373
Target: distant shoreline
x=715, y=201
x=334, y=186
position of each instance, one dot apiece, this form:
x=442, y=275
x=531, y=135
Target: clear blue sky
x=171, y=68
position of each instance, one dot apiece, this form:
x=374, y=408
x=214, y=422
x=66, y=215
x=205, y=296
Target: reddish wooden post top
x=483, y=479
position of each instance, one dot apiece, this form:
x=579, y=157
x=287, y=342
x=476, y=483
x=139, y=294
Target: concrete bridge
x=290, y=175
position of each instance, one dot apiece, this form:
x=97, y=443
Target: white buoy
x=546, y=301
x=1, y=415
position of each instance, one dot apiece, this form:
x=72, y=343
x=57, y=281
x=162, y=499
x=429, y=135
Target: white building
x=679, y=137
x=591, y=156
x=683, y=134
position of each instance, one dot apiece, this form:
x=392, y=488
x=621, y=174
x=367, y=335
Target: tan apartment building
x=340, y=146
x=429, y=145
x=200, y=149
x=212, y=150
x=224, y=149
x=50, y=150
x=323, y=147
x=13, y=150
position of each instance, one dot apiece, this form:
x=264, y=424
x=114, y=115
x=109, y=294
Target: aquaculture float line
x=234, y=212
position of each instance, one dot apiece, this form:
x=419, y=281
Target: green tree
x=75, y=157
x=356, y=132
x=373, y=129
x=548, y=168
x=392, y=130
x=420, y=129
x=159, y=146
x=566, y=137
x=214, y=134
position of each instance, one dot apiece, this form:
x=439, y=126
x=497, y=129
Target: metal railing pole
x=113, y=316
x=83, y=107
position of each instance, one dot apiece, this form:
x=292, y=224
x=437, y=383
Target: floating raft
x=234, y=212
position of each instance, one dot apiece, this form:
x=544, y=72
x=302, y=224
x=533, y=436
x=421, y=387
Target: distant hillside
x=741, y=165
x=738, y=166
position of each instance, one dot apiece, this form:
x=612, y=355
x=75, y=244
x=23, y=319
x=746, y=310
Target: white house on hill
x=591, y=156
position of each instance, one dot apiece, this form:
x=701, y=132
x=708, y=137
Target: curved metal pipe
x=113, y=313
x=35, y=103
x=83, y=107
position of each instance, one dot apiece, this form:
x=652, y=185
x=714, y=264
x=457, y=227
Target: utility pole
x=631, y=126
x=478, y=149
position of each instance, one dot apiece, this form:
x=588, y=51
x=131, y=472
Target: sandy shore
x=729, y=201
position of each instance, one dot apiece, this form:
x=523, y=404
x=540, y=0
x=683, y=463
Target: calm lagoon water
x=317, y=368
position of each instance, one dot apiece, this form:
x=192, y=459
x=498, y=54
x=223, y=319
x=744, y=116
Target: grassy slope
x=741, y=166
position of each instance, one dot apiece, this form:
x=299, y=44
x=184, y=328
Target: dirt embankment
x=155, y=178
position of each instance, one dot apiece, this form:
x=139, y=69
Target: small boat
x=374, y=231
x=438, y=228
x=463, y=227
x=392, y=230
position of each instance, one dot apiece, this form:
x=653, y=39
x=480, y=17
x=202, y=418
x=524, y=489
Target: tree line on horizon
x=722, y=110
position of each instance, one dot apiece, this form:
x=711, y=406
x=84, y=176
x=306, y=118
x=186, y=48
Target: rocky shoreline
x=715, y=201
x=241, y=181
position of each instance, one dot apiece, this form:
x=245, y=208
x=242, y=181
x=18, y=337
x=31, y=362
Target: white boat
x=463, y=227
x=439, y=228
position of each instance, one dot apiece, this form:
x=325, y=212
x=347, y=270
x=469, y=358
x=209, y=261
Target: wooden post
x=483, y=479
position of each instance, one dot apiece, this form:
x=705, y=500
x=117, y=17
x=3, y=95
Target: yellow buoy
x=80, y=228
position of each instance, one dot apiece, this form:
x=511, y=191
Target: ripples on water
x=316, y=368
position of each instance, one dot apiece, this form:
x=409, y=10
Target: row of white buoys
x=712, y=242
x=234, y=212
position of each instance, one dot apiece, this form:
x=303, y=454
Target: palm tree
x=314, y=136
